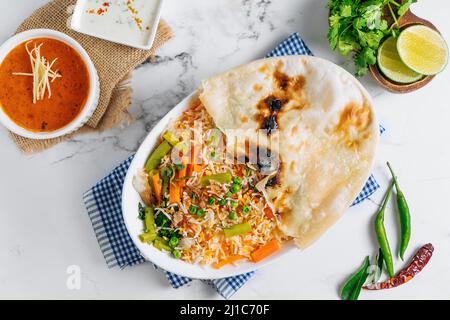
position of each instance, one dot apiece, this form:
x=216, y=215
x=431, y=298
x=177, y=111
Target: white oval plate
x=131, y=199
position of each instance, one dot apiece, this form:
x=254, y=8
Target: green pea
x=235, y=188
x=193, y=209
x=232, y=215
x=237, y=180
x=245, y=209
x=222, y=202
x=174, y=241
x=234, y=204
x=211, y=201
x=228, y=194
x=176, y=254
x=201, y=213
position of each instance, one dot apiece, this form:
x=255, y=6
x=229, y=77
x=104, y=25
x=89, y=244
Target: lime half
x=423, y=50
x=392, y=66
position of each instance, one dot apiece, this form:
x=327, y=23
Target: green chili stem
x=386, y=198
x=395, y=3
x=394, y=177
x=393, y=15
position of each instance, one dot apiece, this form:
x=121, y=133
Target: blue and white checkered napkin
x=103, y=204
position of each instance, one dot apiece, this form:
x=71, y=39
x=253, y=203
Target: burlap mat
x=113, y=62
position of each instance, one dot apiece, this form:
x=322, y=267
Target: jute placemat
x=113, y=62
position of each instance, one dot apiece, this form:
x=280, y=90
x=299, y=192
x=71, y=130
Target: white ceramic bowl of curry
x=49, y=86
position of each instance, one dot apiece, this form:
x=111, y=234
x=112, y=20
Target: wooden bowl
x=409, y=19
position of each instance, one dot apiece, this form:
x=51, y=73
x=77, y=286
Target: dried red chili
x=419, y=261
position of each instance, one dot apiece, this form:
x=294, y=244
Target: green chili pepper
x=237, y=230
x=352, y=288
x=380, y=231
x=220, y=178
x=380, y=263
x=155, y=159
x=405, y=216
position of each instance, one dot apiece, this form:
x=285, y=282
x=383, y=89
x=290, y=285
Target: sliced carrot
x=182, y=174
x=265, y=251
x=227, y=261
x=269, y=213
x=190, y=166
x=175, y=193
x=157, y=187
x=198, y=168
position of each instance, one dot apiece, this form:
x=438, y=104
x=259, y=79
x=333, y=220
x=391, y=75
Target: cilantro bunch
x=359, y=26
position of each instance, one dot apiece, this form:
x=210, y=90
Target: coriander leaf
x=333, y=5
x=348, y=43
x=405, y=7
x=371, y=39
x=334, y=20
x=141, y=212
x=383, y=25
x=359, y=23
x=162, y=221
x=333, y=36
x=346, y=10
x=373, y=16
x=363, y=59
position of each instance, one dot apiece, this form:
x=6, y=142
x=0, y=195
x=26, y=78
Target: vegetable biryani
x=199, y=206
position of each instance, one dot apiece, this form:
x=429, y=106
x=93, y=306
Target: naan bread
x=326, y=129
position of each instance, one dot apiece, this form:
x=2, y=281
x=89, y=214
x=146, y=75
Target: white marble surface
x=44, y=227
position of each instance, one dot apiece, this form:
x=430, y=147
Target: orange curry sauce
x=69, y=93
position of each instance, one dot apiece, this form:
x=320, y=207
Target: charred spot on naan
x=288, y=94
x=285, y=83
x=354, y=125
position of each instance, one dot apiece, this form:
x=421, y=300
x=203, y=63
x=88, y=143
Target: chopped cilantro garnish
x=359, y=26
